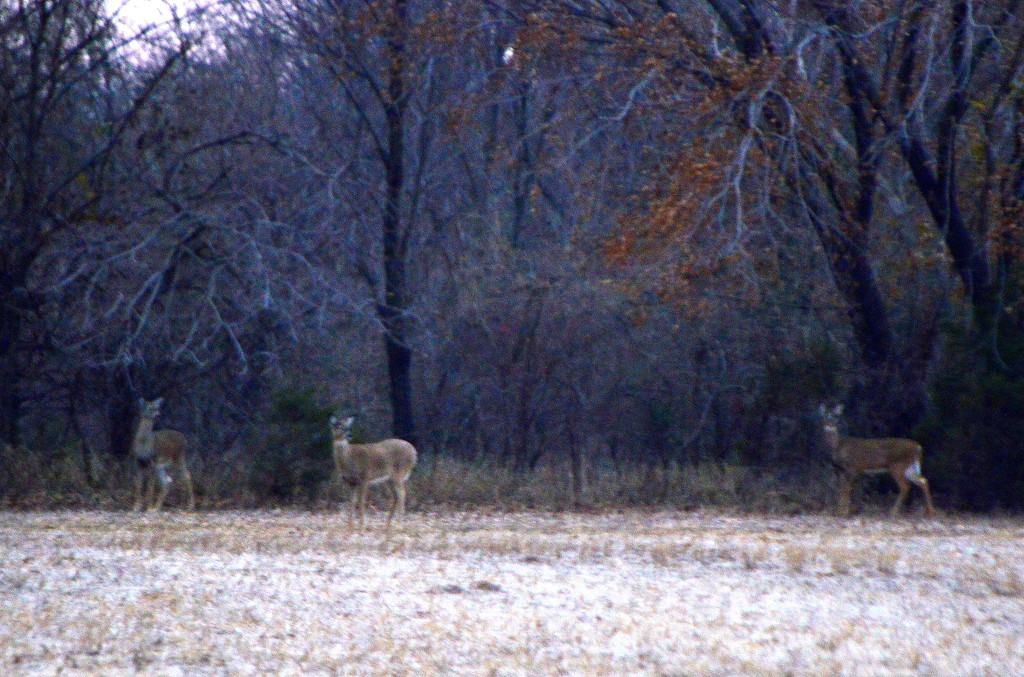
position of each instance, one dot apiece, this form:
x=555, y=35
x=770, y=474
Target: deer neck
x=143, y=445
x=344, y=448
x=832, y=438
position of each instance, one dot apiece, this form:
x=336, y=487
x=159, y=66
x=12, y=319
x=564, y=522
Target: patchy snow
x=512, y=594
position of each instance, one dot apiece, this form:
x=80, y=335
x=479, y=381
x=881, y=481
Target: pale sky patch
x=135, y=14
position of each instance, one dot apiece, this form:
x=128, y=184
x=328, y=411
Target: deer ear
x=334, y=421
x=839, y=409
x=159, y=402
x=349, y=421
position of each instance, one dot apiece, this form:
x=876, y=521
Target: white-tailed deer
x=855, y=456
x=360, y=465
x=155, y=452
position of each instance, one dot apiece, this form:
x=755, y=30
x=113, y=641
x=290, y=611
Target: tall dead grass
x=31, y=480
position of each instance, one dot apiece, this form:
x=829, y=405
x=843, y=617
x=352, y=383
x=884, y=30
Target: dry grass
x=55, y=480
x=614, y=593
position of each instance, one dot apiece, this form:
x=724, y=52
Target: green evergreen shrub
x=974, y=434
x=293, y=459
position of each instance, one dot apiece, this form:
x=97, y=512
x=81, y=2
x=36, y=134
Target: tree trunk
x=122, y=417
x=10, y=376
x=395, y=232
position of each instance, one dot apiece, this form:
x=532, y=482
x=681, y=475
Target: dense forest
x=619, y=242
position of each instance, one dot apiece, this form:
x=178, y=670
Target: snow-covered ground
x=509, y=594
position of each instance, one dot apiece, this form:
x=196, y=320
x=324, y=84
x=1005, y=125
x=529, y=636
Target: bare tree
x=67, y=107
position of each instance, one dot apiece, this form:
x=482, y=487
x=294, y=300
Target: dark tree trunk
x=856, y=282
x=399, y=376
x=395, y=233
x=122, y=416
x=10, y=403
x=10, y=371
x=889, y=394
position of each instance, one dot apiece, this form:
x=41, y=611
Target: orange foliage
x=674, y=231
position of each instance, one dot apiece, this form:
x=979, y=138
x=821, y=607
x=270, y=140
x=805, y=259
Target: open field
x=509, y=594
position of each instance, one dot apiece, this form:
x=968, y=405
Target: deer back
x=169, y=445
x=862, y=455
x=361, y=463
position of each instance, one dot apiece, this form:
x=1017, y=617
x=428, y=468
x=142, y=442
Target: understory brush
x=31, y=480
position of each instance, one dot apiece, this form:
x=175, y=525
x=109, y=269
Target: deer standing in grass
x=855, y=456
x=360, y=465
x=155, y=451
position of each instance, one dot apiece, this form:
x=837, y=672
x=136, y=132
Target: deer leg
x=139, y=482
x=359, y=504
x=904, y=490
x=845, y=489
x=929, y=507
x=400, y=499
x=150, y=483
x=164, y=478
x=364, y=496
x=392, y=504
x=354, y=507
x=186, y=480
x=397, y=491
x=913, y=473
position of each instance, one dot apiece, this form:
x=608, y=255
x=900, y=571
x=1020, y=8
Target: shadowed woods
x=579, y=255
